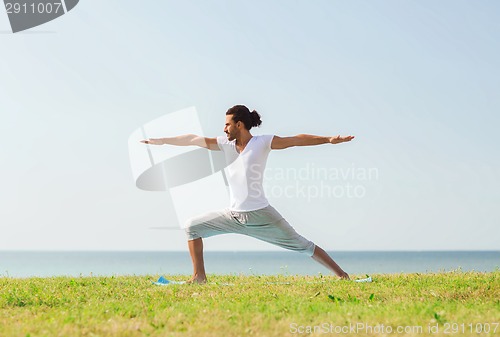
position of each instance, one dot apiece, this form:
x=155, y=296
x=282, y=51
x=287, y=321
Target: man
x=250, y=212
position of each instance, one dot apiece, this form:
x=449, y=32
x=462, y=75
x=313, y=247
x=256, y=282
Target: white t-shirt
x=245, y=172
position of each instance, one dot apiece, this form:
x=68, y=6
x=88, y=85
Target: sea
x=23, y=264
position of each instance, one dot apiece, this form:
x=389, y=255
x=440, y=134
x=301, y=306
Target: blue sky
x=416, y=82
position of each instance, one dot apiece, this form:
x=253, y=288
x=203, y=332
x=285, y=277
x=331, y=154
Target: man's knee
x=193, y=221
x=190, y=230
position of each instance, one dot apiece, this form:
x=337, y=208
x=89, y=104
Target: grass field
x=443, y=304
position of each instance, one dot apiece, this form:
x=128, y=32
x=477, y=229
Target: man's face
x=231, y=128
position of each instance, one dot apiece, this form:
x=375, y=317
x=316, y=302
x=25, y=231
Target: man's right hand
x=152, y=141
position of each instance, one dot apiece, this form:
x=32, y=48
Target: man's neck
x=244, y=139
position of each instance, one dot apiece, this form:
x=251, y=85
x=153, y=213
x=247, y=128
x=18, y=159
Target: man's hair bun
x=255, y=118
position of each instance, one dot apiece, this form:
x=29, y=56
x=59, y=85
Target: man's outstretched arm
x=185, y=140
x=279, y=143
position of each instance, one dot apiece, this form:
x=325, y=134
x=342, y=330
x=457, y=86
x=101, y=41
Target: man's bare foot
x=344, y=276
x=197, y=280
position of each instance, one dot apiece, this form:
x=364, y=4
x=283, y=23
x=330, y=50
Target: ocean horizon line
x=50, y=263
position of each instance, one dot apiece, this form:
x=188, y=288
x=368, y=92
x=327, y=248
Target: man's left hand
x=340, y=139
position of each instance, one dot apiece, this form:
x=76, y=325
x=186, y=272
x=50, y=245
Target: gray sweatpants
x=265, y=224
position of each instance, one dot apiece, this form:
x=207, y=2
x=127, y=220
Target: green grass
x=251, y=305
